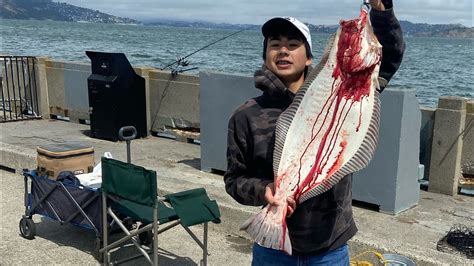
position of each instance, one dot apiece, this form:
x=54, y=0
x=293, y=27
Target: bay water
x=432, y=66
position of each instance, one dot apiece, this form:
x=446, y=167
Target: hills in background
x=417, y=29
x=409, y=28
x=436, y=30
x=49, y=10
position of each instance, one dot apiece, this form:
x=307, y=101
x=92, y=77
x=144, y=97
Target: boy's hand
x=270, y=198
x=269, y=194
x=377, y=4
x=291, y=206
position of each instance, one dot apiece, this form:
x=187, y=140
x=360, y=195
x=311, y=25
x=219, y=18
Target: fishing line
x=182, y=62
x=200, y=49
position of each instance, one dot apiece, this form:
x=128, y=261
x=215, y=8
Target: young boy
x=320, y=227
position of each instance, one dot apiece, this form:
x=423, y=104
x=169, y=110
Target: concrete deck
x=413, y=233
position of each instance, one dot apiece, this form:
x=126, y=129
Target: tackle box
x=55, y=158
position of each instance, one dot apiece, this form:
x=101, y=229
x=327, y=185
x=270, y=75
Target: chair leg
x=155, y=235
x=105, y=228
x=202, y=244
x=204, y=250
x=129, y=235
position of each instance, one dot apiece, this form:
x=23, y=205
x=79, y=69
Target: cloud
x=256, y=12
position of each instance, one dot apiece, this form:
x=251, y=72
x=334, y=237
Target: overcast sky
x=258, y=11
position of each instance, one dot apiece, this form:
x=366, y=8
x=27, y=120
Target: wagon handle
x=128, y=138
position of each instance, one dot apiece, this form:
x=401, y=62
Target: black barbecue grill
x=116, y=96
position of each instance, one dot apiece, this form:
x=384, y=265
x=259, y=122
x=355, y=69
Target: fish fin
x=268, y=229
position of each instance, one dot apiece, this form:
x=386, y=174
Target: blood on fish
x=352, y=87
x=337, y=164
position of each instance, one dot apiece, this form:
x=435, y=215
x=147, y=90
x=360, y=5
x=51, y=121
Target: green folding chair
x=131, y=191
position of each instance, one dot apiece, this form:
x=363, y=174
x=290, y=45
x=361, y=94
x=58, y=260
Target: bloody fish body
x=330, y=130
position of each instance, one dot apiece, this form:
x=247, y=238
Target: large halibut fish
x=329, y=131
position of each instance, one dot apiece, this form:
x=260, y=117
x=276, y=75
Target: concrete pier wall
x=467, y=157
x=445, y=165
x=173, y=108
x=67, y=89
x=172, y=102
x=390, y=181
x=426, y=137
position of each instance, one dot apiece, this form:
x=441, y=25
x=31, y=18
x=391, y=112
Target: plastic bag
x=94, y=179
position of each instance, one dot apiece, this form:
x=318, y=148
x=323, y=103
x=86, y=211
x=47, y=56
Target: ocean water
x=432, y=66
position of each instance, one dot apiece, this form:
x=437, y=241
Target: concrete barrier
x=445, y=166
x=467, y=157
x=174, y=104
x=144, y=72
x=220, y=95
x=426, y=138
x=390, y=181
x=67, y=89
x=42, y=85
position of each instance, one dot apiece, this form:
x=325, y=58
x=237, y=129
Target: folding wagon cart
x=61, y=200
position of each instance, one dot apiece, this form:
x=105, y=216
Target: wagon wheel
x=27, y=228
x=97, y=255
x=146, y=238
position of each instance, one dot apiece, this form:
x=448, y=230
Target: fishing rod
x=181, y=61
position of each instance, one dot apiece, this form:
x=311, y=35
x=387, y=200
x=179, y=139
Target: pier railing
x=19, y=96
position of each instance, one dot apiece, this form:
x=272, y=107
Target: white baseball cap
x=277, y=24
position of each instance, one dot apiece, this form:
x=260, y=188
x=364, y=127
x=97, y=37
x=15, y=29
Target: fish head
x=358, y=47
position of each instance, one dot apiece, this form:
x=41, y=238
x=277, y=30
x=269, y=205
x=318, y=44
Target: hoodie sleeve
x=242, y=185
x=389, y=33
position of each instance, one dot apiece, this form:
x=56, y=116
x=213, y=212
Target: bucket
x=397, y=260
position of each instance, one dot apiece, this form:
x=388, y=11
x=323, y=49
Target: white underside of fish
x=330, y=130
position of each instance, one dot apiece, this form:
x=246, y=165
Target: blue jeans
x=270, y=257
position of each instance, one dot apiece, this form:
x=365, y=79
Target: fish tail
x=268, y=228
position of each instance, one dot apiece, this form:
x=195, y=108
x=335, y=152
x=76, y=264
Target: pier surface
x=413, y=233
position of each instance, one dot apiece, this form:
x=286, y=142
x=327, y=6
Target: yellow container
x=54, y=158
